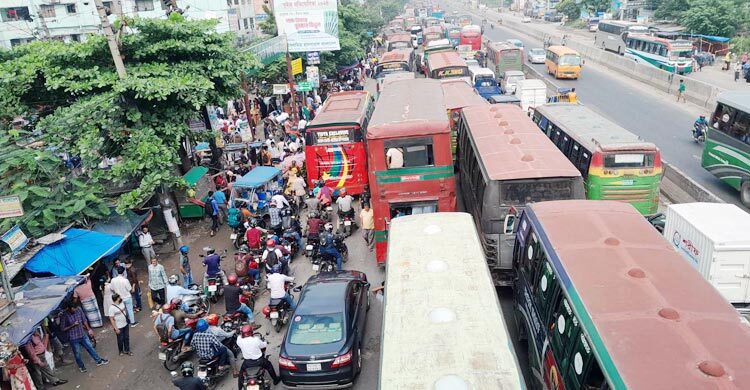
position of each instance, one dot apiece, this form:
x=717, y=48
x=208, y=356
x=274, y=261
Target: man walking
x=157, y=282
x=368, y=225
x=77, y=329
x=185, y=271
x=212, y=209
x=681, y=91
x=221, y=201
x=41, y=372
x=146, y=243
x=121, y=286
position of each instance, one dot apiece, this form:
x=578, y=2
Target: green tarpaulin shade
x=194, y=175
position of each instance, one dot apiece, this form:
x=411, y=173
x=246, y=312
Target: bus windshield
x=570, y=60
x=391, y=67
x=629, y=160
x=682, y=54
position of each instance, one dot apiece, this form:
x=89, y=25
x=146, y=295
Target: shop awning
x=120, y=225
x=257, y=177
x=195, y=174
x=712, y=38
x=76, y=252
x=41, y=296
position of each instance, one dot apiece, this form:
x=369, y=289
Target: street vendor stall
x=198, y=186
x=255, y=189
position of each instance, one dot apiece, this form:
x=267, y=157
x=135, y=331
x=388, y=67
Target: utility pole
x=111, y=41
x=245, y=97
x=42, y=22
x=293, y=101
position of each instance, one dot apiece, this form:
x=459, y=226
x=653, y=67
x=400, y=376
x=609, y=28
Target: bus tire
x=745, y=193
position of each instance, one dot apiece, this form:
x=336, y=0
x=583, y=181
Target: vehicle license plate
x=253, y=387
x=347, y=223
x=314, y=367
x=627, y=182
x=202, y=374
x=316, y=267
x=274, y=314
x=233, y=237
x=212, y=288
x=162, y=356
x=309, y=247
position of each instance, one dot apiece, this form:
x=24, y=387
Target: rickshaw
x=255, y=189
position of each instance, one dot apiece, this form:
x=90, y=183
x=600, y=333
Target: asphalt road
x=652, y=115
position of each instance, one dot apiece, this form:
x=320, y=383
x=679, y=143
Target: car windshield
x=537, y=52
x=570, y=59
x=317, y=329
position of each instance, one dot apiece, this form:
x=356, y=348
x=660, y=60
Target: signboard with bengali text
x=10, y=206
x=310, y=25
x=15, y=238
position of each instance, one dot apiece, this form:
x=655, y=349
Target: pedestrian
x=368, y=225
x=187, y=274
x=212, y=209
x=133, y=279
x=737, y=71
x=76, y=327
x=265, y=156
x=119, y=321
x=727, y=61
x=157, y=282
x=147, y=244
x=221, y=200
x=85, y=294
x=41, y=372
x=743, y=58
x=107, y=296
x=681, y=91
x=121, y=287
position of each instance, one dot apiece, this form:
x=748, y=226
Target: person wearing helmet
x=277, y=284
x=212, y=262
x=699, y=125
x=208, y=346
x=344, y=205
x=328, y=247
x=223, y=336
x=165, y=329
x=273, y=256
x=253, y=235
x=314, y=226
x=233, y=299
x=174, y=290
x=252, y=348
x=188, y=381
x=312, y=203
x=187, y=274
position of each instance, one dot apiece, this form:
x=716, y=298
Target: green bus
x=615, y=163
x=726, y=153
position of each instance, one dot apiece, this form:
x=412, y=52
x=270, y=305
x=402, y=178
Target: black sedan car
x=322, y=347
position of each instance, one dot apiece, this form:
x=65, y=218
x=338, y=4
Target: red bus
x=335, y=149
x=471, y=35
x=409, y=155
x=447, y=65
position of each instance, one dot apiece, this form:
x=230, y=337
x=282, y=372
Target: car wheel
x=359, y=361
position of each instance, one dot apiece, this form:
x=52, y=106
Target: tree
x=175, y=68
x=711, y=17
x=670, y=9
x=570, y=9
x=593, y=6
x=268, y=26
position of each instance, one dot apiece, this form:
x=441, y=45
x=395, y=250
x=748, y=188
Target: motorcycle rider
x=344, y=203
x=253, y=235
x=273, y=256
x=253, y=349
x=314, y=226
x=244, y=265
x=325, y=195
x=294, y=231
x=166, y=320
x=175, y=291
x=277, y=285
x=232, y=304
x=208, y=346
x=188, y=381
x=312, y=203
x=698, y=126
x=222, y=335
x=212, y=262
x=328, y=246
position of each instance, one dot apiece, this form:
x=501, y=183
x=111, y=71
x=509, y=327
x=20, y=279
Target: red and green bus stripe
x=600, y=349
x=405, y=175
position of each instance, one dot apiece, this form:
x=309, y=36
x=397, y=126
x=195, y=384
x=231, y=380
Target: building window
x=15, y=14
x=71, y=8
x=244, y=21
x=75, y=37
x=144, y=5
x=47, y=11
x=107, y=5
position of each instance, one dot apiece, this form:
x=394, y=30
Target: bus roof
x=445, y=59
x=342, y=109
x=591, y=129
x=397, y=55
x=511, y=146
x=458, y=94
x=562, y=50
x=399, y=37
x=625, y=23
x=426, y=304
x=737, y=99
x=654, y=317
x=433, y=29
x=403, y=111
x=471, y=28
x=651, y=38
x=501, y=46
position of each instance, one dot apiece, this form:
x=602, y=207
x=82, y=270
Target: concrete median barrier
x=678, y=187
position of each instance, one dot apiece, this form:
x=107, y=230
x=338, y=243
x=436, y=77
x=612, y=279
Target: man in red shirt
x=314, y=225
x=253, y=236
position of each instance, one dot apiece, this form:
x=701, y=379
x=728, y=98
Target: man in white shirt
x=252, y=353
x=121, y=286
x=277, y=285
x=147, y=244
x=279, y=200
x=176, y=291
x=395, y=158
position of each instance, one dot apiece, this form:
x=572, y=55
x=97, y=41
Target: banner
x=310, y=25
x=313, y=58
x=10, y=206
x=313, y=76
x=297, y=66
x=15, y=239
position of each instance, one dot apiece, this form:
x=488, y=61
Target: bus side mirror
x=510, y=221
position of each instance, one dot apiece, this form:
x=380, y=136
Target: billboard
x=310, y=25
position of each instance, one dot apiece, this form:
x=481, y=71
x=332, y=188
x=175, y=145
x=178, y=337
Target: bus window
x=629, y=160
x=409, y=153
x=545, y=293
x=582, y=374
x=401, y=209
x=583, y=163
x=741, y=127
x=575, y=152
x=564, y=144
x=564, y=329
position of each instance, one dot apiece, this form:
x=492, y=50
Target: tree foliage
x=712, y=17
x=593, y=6
x=570, y=9
x=268, y=26
x=175, y=67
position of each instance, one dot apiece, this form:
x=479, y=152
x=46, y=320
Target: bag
x=125, y=314
x=240, y=267
x=49, y=358
x=162, y=329
x=233, y=217
x=271, y=258
x=207, y=208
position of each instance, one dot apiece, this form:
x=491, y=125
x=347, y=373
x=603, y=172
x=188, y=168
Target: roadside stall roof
x=458, y=94
x=403, y=110
x=41, y=296
x=76, y=252
x=121, y=225
x=195, y=174
x=257, y=177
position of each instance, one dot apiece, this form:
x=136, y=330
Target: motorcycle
x=312, y=248
x=232, y=323
x=699, y=132
x=171, y=351
x=255, y=377
x=238, y=235
x=346, y=223
x=209, y=373
x=196, y=303
x=323, y=262
x=325, y=214
x=214, y=287
x=278, y=310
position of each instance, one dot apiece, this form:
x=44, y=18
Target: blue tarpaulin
x=76, y=252
x=713, y=38
x=257, y=177
x=41, y=296
x=120, y=225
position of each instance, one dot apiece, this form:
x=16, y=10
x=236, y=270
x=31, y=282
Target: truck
x=715, y=239
x=531, y=92
x=483, y=81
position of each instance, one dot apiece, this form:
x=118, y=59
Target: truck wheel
x=745, y=193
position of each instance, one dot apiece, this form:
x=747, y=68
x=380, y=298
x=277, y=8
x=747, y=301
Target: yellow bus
x=563, y=62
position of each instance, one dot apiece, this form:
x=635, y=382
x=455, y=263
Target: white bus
x=672, y=55
x=443, y=327
x=609, y=34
